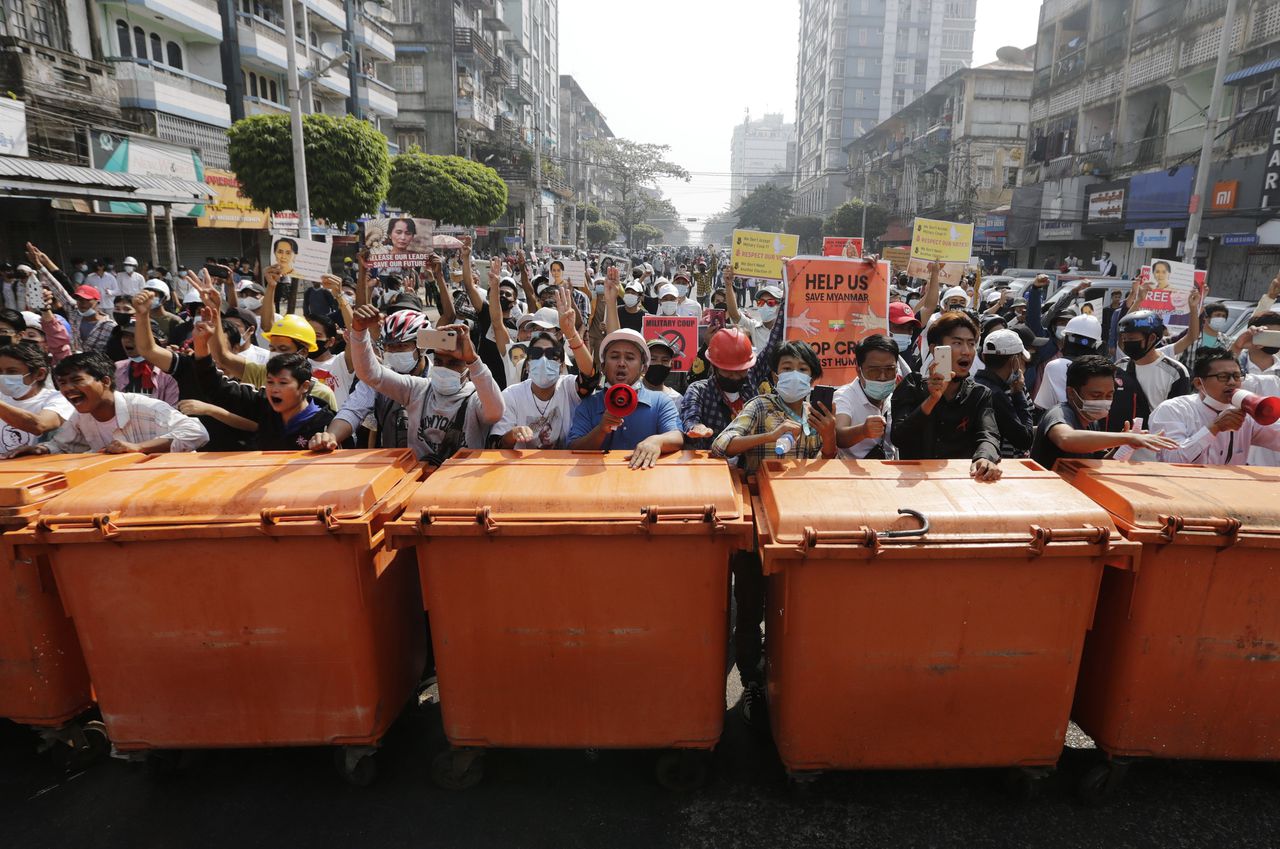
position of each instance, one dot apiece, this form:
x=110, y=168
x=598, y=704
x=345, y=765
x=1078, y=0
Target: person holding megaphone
x=1218, y=425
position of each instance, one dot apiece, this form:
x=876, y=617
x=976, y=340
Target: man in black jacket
x=1146, y=377
x=1005, y=357
x=948, y=415
x=286, y=415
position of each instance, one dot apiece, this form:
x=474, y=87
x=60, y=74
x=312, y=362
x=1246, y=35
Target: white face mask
x=668, y=308
x=251, y=304
x=402, y=362
x=903, y=340
x=1218, y=323
x=14, y=385
x=630, y=301
x=766, y=314
x=683, y=290
x=89, y=313
x=446, y=381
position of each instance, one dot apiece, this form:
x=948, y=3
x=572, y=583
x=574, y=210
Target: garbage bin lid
x=209, y=489
x=1144, y=495
x=29, y=480
x=566, y=485
x=845, y=495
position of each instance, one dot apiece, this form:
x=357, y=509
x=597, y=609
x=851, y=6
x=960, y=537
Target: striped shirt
x=138, y=419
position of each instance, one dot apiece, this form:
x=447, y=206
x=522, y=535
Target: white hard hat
x=158, y=286
x=130, y=261
x=192, y=297
x=955, y=292
x=1085, y=325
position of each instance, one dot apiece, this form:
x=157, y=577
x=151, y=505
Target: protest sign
x=398, y=242
x=945, y=242
x=841, y=246
x=757, y=254
x=575, y=271
x=833, y=303
x=678, y=331
x=1171, y=284
x=303, y=259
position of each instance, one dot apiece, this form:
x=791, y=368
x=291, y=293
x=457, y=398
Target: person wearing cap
x=1083, y=336
x=246, y=326
x=1004, y=358
x=768, y=310
x=652, y=430
x=905, y=330
x=685, y=305
x=955, y=298
x=1146, y=377
x=95, y=326
x=661, y=355
x=632, y=314
x=159, y=290
x=129, y=281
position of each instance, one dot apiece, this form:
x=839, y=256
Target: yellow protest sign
x=757, y=254
x=947, y=242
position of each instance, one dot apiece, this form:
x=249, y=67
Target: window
x=275, y=93
x=1010, y=177
x=157, y=49
x=407, y=76
x=253, y=85
x=139, y=43
x=173, y=52
x=122, y=39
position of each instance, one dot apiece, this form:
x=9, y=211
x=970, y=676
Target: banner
x=947, y=242
x=398, y=242
x=678, y=331
x=833, y=303
x=1171, y=285
x=841, y=246
x=304, y=259
x=145, y=157
x=757, y=254
x=230, y=209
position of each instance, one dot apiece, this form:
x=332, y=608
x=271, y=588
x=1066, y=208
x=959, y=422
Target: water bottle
x=785, y=445
x=1126, y=452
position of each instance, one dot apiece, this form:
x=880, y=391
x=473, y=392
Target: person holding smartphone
x=946, y=414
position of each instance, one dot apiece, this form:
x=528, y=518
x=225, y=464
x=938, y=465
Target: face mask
x=544, y=372
x=1060, y=332
x=683, y=290
x=794, y=386
x=903, y=340
x=599, y=288
x=731, y=384
x=878, y=390
x=88, y=313
x=667, y=308
x=13, y=385
x=137, y=359
x=1207, y=341
x=402, y=362
x=350, y=299
x=82, y=268
x=656, y=375
x=122, y=318
x=630, y=301
x=1218, y=323
x=1090, y=411
x=507, y=303
x=1134, y=350
x=767, y=314
x=320, y=352
x=445, y=380
x=1271, y=351
x=251, y=304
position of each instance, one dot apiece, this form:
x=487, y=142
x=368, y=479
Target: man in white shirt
x=1106, y=268
x=1207, y=426
x=128, y=280
x=102, y=280
x=685, y=305
x=862, y=407
x=768, y=310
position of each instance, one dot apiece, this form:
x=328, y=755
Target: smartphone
x=430, y=339
x=941, y=361
x=216, y=271
x=1267, y=338
x=824, y=395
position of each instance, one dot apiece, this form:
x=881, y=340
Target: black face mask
x=507, y=303
x=1272, y=351
x=730, y=384
x=1071, y=350
x=122, y=318
x=1135, y=350
x=657, y=375
x=322, y=350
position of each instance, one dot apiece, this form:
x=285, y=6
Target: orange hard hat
x=730, y=350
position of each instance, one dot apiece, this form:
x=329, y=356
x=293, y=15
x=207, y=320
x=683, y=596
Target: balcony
x=193, y=17
x=147, y=86
x=1111, y=47
x=334, y=83
x=494, y=18
x=521, y=91
x=502, y=69
x=332, y=12
x=1042, y=80
x=258, y=106
x=468, y=42
x=1162, y=19
x=262, y=42
x=476, y=114
x=376, y=37
x=1255, y=129
x=377, y=96
x=1069, y=67
x=515, y=46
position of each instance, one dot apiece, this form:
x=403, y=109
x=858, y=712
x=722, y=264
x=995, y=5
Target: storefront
x=1062, y=222
x=1159, y=202
x=1105, y=205
x=1234, y=187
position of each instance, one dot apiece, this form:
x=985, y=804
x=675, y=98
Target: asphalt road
x=284, y=798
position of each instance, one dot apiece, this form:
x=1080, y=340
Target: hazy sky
x=684, y=72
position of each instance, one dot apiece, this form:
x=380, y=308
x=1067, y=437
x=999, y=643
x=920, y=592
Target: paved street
x=280, y=798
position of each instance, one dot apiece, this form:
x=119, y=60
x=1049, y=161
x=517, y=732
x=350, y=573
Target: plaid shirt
x=761, y=415
x=705, y=404
x=138, y=419
x=99, y=336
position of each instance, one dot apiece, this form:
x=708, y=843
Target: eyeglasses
x=766, y=302
x=1225, y=377
x=881, y=372
x=549, y=353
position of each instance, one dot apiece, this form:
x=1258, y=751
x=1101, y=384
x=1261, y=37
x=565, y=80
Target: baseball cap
x=1030, y=341
x=661, y=343
x=955, y=292
x=525, y=318
x=634, y=286
x=1003, y=342
x=900, y=313
x=547, y=317
x=192, y=297
x=89, y=293
x=32, y=320
x=770, y=289
x=992, y=296
x=668, y=289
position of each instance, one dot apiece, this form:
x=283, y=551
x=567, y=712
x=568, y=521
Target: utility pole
x=1192, y=242
x=295, y=124
x=866, y=176
x=537, y=178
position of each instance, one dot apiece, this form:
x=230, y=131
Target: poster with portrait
x=1171, y=286
x=302, y=259
x=398, y=242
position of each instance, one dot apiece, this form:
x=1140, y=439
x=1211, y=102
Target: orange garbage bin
x=1184, y=657
x=242, y=600
x=576, y=603
x=919, y=619
x=43, y=680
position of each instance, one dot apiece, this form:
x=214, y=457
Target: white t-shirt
x=46, y=399
x=851, y=400
x=687, y=308
x=1053, y=384
x=336, y=375
x=759, y=332
x=1157, y=379
x=549, y=420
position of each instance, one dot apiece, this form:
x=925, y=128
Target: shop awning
x=1252, y=71
x=20, y=177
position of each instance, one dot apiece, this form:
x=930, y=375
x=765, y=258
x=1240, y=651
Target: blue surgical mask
x=446, y=381
x=878, y=390
x=13, y=385
x=137, y=359
x=544, y=372
x=794, y=386
x=1207, y=341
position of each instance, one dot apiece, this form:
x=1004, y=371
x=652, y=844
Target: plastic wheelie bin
x=43, y=680
x=1184, y=657
x=576, y=603
x=243, y=600
x=920, y=619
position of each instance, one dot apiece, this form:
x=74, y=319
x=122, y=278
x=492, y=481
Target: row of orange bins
x=916, y=619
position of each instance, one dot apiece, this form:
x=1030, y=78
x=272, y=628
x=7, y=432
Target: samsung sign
x=1238, y=240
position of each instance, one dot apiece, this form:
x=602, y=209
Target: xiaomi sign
x=1224, y=194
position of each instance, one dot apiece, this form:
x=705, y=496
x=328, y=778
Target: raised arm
x=501, y=336
x=730, y=297
x=144, y=339
x=581, y=353
x=932, y=292
x=267, y=313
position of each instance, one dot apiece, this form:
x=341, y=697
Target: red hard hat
x=730, y=350
x=900, y=313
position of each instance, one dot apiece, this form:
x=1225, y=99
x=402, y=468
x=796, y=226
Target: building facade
x=860, y=61
x=760, y=151
x=1117, y=124
x=580, y=124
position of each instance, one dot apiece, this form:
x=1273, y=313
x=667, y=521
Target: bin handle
x=481, y=515
x=98, y=521
x=273, y=516
x=864, y=535
x=652, y=514
x=1222, y=526
x=1042, y=537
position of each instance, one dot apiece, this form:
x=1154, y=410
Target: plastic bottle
x=1125, y=452
x=785, y=445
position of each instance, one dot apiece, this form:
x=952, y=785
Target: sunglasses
x=767, y=302
x=549, y=353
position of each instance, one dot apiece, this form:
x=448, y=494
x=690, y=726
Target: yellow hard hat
x=294, y=327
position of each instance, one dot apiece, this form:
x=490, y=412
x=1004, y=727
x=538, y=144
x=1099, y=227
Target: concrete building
x=1117, y=125
x=860, y=61
x=760, y=151
x=581, y=123
x=954, y=153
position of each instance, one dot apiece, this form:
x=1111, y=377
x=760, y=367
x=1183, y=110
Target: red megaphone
x=621, y=400
x=1262, y=409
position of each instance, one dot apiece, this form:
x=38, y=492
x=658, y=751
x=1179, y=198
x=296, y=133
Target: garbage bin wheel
x=357, y=765
x=683, y=770
x=97, y=745
x=458, y=769
x=1025, y=784
x=1100, y=782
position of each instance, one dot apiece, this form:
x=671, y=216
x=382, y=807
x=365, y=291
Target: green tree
x=347, y=164
x=602, y=232
x=631, y=167
x=589, y=213
x=645, y=233
x=446, y=188
x=809, y=229
x=766, y=208
x=847, y=221
x=718, y=229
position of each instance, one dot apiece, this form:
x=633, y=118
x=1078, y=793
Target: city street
x=573, y=799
